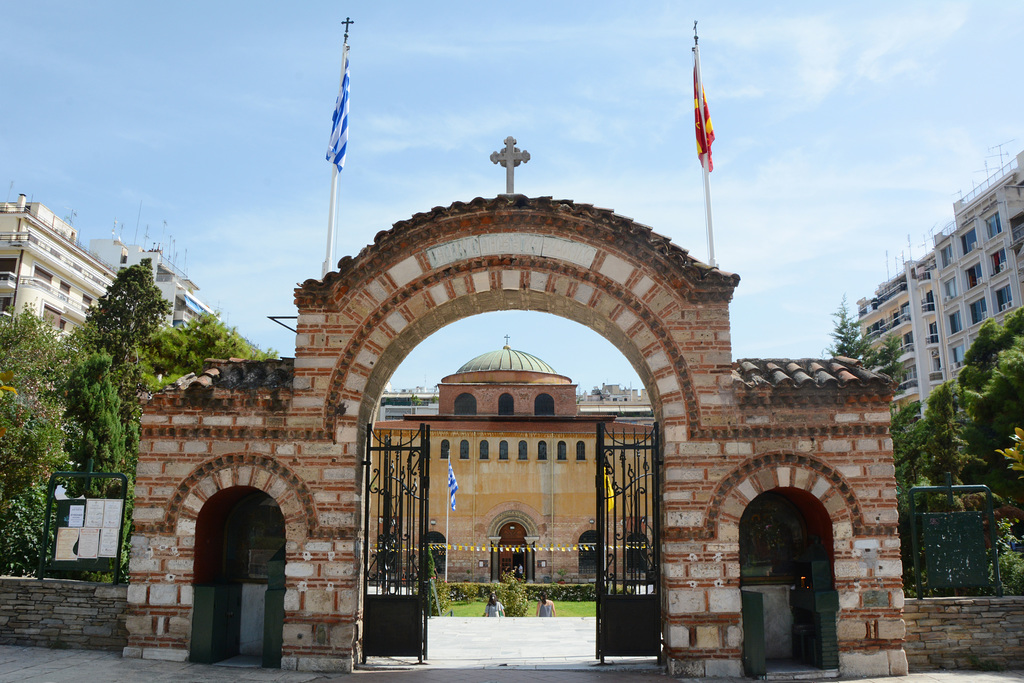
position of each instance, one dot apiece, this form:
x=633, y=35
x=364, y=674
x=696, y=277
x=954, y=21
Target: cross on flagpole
x=337, y=147
x=510, y=157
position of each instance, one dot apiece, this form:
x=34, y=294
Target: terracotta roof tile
x=808, y=373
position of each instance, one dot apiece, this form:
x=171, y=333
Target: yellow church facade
x=525, y=463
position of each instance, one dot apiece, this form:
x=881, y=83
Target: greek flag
x=453, y=485
x=339, y=129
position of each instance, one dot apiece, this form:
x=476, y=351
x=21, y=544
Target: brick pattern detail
x=730, y=430
x=55, y=613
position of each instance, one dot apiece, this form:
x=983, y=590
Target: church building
x=524, y=460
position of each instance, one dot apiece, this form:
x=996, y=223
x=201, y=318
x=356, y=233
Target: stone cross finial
x=510, y=157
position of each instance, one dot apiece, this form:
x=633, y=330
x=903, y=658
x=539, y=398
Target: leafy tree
x=886, y=358
x=22, y=522
x=909, y=434
x=124, y=318
x=176, y=351
x=93, y=403
x=995, y=410
x=846, y=337
x=39, y=359
x=943, y=446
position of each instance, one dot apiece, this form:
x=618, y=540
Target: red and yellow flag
x=705, y=131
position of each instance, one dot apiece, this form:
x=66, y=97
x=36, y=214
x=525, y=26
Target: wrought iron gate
x=395, y=590
x=628, y=542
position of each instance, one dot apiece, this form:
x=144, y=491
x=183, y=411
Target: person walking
x=545, y=607
x=494, y=608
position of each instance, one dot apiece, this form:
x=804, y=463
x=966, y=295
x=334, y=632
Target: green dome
x=507, y=359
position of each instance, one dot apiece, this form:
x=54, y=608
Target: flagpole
x=706, y=156
x=447, y=510
x=332, y=212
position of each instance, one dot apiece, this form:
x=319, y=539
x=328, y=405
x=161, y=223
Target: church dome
x=507, y=359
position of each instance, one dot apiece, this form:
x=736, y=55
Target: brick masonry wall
x=53, y=613
x=964, y=633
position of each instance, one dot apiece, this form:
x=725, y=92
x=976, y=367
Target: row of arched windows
x=561, y=450
x=543, y=404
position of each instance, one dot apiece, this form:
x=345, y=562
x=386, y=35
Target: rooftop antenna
x=164, y=230
x=1001, y=152
x=886, y=265
x=137, y=219
x=184, y=266
x=9, y=192
x=113, y=230
x=910, y=251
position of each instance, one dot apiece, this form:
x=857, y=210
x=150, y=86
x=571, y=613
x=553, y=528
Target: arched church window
x=772, y=536
x=543, y=405
x=581, y=450
x=445, y=449
x=506, y=405
x=561, y=450
x=522, y=450
x=503, y=450
x=464, y=450
x=588, y=553
x=438, y=549
x=485, y=449
x=637, y=552
x=465, y=404
x=542, y=450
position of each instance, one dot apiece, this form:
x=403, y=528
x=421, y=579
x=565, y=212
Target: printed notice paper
x=76, y=516
x=65, y=547
x=88, y=543
x=111, y=514
x=94, y=513
x=108, y=542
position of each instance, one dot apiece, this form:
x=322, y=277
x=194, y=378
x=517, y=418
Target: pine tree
x=846, y=337
x=93, y=404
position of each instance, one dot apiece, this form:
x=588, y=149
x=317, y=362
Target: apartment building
x=173, y=284
x=972, y=273
x=44, y=268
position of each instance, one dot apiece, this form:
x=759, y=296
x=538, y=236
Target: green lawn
x=562, y=609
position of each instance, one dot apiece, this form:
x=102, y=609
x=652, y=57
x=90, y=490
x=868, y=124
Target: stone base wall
x=965, y=633
x=54, y=613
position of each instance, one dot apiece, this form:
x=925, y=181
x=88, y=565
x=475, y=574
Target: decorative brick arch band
x=660, y=307
x=229, y=471
x=783, y=470
x=517, y=515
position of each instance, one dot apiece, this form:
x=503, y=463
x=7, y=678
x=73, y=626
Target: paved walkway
x=462, y=650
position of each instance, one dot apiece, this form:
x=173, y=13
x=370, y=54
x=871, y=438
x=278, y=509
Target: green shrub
x=1011, y=572
x=512, y=594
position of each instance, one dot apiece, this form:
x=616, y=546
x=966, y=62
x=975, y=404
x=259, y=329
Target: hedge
x=561, y=592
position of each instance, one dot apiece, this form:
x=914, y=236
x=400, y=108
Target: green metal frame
x=950, y=490
x=100, y=564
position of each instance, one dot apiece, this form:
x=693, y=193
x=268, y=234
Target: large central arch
x=666, y=312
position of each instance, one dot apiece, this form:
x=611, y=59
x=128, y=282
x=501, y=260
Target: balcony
x=45, y=286
x=8, y=280
x=935, y=376
x=31, y=238
x=928, y=307
x=931, y=339
x=907, y=385
x=907, y=348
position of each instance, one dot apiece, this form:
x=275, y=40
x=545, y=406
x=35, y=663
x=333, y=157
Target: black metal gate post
x=628, y=482
x=395, y=525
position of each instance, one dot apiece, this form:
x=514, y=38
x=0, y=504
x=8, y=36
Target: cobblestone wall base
x=55, y=613
x=965, y=633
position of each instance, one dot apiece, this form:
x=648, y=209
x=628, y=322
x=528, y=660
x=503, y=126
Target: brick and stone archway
x=727, y=425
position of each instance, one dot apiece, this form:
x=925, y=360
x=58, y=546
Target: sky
x=844, y=132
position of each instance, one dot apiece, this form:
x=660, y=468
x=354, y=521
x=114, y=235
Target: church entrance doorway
x=238, y=579
x=788, y=600
x=512, y=555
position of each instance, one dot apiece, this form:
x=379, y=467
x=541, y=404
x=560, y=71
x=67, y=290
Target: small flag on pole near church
x=453, y=485
x=702, y=119
x=339, y=130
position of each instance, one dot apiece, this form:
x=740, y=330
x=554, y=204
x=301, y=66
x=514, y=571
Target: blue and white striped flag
x=453, y=485
x=339, y=130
